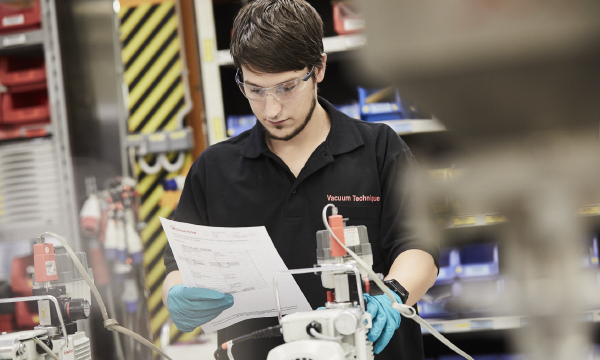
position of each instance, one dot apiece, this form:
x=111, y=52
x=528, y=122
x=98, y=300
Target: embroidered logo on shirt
x=357, y=198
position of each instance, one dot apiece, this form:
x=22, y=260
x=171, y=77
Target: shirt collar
x=343, y=135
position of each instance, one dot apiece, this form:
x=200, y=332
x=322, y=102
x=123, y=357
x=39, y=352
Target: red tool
x=336, y=222
x=44, y=262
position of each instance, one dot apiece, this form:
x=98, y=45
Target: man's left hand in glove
x=385, y=320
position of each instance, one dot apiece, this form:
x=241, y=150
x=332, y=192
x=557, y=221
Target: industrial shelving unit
x=40, y=195
x=331, y=44
x=478, y=220
x=475, y=220
x=494, y=323
x=478, y=331
x=212, y=59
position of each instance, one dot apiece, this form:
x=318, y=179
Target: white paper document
x=237, y=261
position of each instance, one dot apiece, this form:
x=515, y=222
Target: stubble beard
x=297, y=130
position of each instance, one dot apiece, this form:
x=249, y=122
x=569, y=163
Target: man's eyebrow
x=283, y=82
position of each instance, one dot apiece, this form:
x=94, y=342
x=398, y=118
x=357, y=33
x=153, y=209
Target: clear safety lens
x=284, y=91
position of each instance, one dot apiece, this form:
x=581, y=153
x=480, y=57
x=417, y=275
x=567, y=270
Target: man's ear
x=320, y=73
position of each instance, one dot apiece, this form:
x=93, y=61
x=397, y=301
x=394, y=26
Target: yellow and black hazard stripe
x=151, y=191
x=153, y=67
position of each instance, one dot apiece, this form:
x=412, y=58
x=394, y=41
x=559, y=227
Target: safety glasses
x=284, y=91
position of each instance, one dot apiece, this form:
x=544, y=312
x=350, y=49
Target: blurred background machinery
x=516, y=82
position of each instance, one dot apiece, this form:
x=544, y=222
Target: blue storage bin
x=478, y=260
x=237, y=124
x=436, y=303
x=379, y=111
x=352, y=110
x=514, y=357
x=449, y=260
x=435, y=310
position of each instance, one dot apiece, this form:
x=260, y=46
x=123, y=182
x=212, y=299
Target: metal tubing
x=333, y=267
x=40, y=297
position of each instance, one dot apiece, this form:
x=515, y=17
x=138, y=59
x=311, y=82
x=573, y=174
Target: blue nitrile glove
x=385, y=320
x=191, y=307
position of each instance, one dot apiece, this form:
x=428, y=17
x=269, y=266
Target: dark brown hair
x=272, y=36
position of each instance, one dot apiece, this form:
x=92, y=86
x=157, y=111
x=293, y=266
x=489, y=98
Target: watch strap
x=395, y=286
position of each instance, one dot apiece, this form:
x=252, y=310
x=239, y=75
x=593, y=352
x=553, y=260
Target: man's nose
x=272, y=107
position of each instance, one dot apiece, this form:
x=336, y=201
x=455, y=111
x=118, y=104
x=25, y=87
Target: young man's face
x=284, y=119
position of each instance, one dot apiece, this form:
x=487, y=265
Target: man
x=280, y=174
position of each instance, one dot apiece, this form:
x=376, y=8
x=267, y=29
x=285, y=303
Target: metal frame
x=58, y=115
x=210, y=67
x=122, y=99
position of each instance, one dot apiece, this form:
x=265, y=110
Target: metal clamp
x=161, y=142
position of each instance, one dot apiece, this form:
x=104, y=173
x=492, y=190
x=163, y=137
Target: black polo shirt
x=240, y=182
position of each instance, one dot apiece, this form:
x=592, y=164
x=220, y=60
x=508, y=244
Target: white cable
x=404, y=310
x=229, y=351
x=110, y=324
x=150, y=170
x=320, y=336
x=132, y=161
x=46, y=348
x=439, y=336
x=171, y=167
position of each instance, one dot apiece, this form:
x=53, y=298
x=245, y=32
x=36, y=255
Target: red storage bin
x=23, y=132
x=21, y=282
x=10, y=133
x=19, y=15
x=347, y=19
x=35, y=132
x=7, y=322
x=26, y=314
x=16, y=71
x=28, y=107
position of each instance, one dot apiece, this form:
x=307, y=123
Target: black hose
x=273, y=331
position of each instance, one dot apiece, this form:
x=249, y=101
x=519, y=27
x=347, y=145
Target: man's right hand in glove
x=191, y=307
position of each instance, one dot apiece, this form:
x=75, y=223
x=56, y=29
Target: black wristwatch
x=398, y=289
